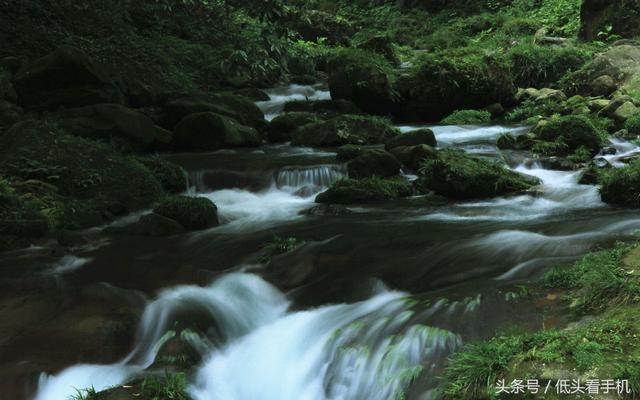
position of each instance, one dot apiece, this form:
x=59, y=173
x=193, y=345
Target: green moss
x=633, y=125
x=190, y=212
x=621, y=186
x=279, y=245
x=457, y=175
x=467, y=117
x=171, y=176
x=171, y=386
x=351, y=191
x=346, y=129
x=542, y=66
x=573, y=131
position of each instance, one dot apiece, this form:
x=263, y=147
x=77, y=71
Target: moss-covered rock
x=457, y=175
x=357, y=76
x=346, y=129
x=66, y=77
x=95, y=180
x=568, y=134
x=413, y=138
x=413, y=156
x=193, y=213
x=467, y=117
x=352, y=191
x=239, y=108
x=373, y=163
x=20, y=218
x=123, y=127
x=208, y=131
x=442, y=85
x=350, y=151
x=621, y=186
x=172, y=177
x=326, y=107
x=281, y=128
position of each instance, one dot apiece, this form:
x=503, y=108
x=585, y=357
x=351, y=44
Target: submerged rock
x=210, y=131
x=192, y=213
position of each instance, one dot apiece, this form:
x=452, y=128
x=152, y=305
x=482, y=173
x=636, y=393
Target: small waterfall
x=370, y=350
x=319, y=176
x=280, y=96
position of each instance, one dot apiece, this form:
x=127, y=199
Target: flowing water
x=368, y=308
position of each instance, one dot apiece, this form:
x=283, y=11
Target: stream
x=367, y=309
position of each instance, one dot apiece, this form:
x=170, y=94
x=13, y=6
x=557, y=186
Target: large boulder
x=572, y=131
x=239, y=108
x=353, y=191
x=346, y=129
x=413, y=156
x=356, y=77
x=618, y=17
x=616, y=68
x=373, y=163
x=66, y=77
x=192, y=213
x=125, y=127
x=442, y=85
x=208, y=131
x=413, y=138
x=455, y=174
x=281, y=128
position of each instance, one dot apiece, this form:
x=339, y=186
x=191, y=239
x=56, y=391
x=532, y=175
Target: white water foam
x=450, y=135
x=280, y=96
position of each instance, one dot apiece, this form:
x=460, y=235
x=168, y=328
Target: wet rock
x=607, y=151
x=557, y=163
x=281, y=128
x=370, y=190
x=601, y=163
x=346, y=129
x=539, y=95
x=208, y=131
x=413, y=156
x=457, y=175
x=171, y=176
x=66, y=77
x=331, y=210
x=192, y=213
x=7, y=92
x=621, y=186
x=119, y=125
x=350, y=151
x=253, y=94
x=373, y=163
x=68, y=238
x=413, y=138
x=239, y=108
x=326, y=107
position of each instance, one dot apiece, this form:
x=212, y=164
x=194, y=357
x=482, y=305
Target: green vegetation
x=603, y=282
x=346, y=129
x=621, y=186
x=84, y=394
x=279, y=245
x=368, y=190
x=460, y=176
x=633, y=125
x=467, y=117
x=191, y=212
x=540, y=66
x=169, y=387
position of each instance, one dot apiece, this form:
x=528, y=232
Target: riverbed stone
x=346, y=129
x=281, y=128
x=413, y=138
x=413, y=156
x=373, y=163
x=209, y=131
x=370, y=190
x=193, y=213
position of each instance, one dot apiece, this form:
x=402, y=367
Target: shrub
x=190, y=212
x=467, y=117
x=621, y=186
x=633, y=125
